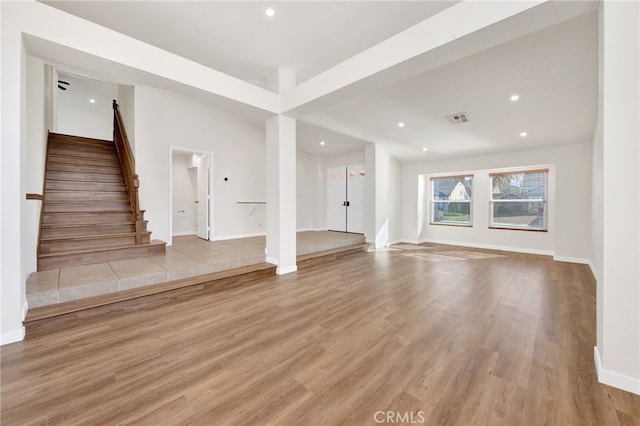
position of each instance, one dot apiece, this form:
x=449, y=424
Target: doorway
x=191, y=200
x=345, y=198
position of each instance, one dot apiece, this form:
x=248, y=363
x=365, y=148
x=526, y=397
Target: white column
x=618, y=346
x=281, y=193
x=12, y=176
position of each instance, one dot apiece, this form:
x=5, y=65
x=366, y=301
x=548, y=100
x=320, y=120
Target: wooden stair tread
x=71, y=150
x=98, y=250
x=67, y=176
x=92, y=237
x=87, y=212
x=80, y=224
x=82, y=168
x=63, y=308
x=68, y=196
x=62, y=136
x=117, y=206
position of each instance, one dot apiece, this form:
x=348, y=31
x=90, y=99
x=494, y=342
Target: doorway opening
x=345, y=198
x=191, y=193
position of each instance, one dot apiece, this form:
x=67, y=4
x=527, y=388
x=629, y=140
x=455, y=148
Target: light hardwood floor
x=437, y=334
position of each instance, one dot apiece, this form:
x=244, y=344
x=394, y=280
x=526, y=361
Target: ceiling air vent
x=457, y=118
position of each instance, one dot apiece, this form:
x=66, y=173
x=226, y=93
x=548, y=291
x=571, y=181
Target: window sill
x=463, y=225
x=513, y=228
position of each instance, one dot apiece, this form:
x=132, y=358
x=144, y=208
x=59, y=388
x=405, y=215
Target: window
x=519, y=200
x=451, y=200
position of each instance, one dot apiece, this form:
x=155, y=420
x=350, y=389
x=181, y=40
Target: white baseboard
x=183, y=233
x=594, y=271
x=286, y=269
x=616, y=380
x=407, y=241
x=311, y=229
x=12, y=336
x=271, y=260
x=568, y=259
x=580, y=260
x=236, y=236
x=489, y=247
x=15, y=335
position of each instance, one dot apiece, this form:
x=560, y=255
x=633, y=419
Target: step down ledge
x=68, y=314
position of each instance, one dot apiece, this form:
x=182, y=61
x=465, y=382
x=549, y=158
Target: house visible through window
x=451, y=200
x=519, y=200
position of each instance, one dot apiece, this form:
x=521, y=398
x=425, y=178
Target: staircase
x=87, y=216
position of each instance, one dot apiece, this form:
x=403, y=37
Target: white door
x=355, y=198
x=345, y=198
x=202, y=201
x=336, y=199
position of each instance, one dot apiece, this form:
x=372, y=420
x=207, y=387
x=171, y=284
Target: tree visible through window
x=451, y=200
x=518, y=200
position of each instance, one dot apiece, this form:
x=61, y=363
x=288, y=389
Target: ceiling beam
x=60, y=28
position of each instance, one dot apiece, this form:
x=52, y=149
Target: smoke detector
x=457, y=118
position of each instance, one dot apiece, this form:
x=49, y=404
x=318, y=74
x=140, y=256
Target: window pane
x=451, y=212
x=520, y=186
x=528, y=215
x=454, y=189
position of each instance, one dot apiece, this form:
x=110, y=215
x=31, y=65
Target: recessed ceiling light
x=93, y=101
x=523, y=134
x=514, y=97
x=425, y=149
x=322, y=143
x=269, y=12
x=401, y=124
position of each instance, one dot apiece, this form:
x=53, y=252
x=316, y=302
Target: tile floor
x=188, y=256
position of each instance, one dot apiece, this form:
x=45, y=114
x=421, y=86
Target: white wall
x=356, y=157
x=126, y=105
x=35, y=154
x=617, y=159
x=569, y=236
x=13, y=161
x=79, y=122
x=387, y=198
x=184, y=181
x=162, y=121
x=305, y=188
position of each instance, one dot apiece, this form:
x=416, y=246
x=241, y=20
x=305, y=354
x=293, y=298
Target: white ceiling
x=237, y=38
x=553, y=70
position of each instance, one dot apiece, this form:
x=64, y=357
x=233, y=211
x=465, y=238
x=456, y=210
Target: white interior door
x=202, y=201
x=355, y=198
x=336, y=198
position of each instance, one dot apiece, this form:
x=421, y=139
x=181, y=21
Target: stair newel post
x=137, y=211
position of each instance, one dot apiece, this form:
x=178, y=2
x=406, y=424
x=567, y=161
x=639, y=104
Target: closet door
x=337, y=199
x=355, y=198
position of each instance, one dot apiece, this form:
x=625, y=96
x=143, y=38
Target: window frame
x=432, y=201
x=544, y=201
